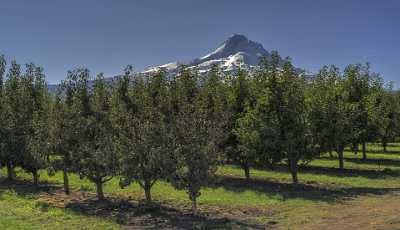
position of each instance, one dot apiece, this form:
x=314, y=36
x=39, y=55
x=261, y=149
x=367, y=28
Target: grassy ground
x=21, y=209
x=268, y=200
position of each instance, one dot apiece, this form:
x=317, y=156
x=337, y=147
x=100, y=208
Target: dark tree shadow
x=381, y=162
x=346, y=172
x=395, y=152
x=128, y=213
x=309, y=191
x=137, y=215
x=375, y=151
x=388, y=144
x=25, y=188
x=332, y=171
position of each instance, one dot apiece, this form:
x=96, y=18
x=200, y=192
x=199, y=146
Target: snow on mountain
x=168, y=67
x=237, y=51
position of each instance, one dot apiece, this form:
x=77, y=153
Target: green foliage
x=25, y=109
x=277, y=127
x=141, y=114
x=386, y=116
x=325, y=99
x=3, y=117
x=14, y=120
x=97, y=159
x=239, y=137
x=195, y=136
x=36, y=111
x=69, y=111
x=179, y=129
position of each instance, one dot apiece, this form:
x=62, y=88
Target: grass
x=268, y=198
x=19, y=212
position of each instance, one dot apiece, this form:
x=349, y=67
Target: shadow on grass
x=367, y=173
x=388, y=144
x=130, y=214
x=374, y=151
x=134, y=215
x=342, y=173
x=26, y=189
x=309, y=191
x=395, y=152
x=138, y=216
x=381, y=162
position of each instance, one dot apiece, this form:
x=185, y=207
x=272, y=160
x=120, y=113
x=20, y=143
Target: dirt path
x=367, y=212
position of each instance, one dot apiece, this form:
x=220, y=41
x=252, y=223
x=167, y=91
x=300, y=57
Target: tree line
x=179, y=129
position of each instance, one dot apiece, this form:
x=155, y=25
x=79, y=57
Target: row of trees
x=180, y=129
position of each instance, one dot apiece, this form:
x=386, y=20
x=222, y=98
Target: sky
x=106, y=35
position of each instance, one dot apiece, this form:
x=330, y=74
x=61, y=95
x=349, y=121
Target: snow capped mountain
x=236, y=46
x=237, y=51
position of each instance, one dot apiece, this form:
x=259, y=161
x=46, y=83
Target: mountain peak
x=237, y=38
x=236, y=44
x=236, y=51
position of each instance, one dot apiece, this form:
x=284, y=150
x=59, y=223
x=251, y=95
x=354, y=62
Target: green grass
x=321, y=184
x=18, y=212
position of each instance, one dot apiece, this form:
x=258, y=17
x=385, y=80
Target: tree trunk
x=355, y=148
x=99, y=190
x=35, y=178
x=194, y=206
x=340, y=156
x=293, y=170
x=364, y=151
x=246, y=169
x=272, y=165
x=66, y=181
x=384, y=144
x=10, y=171
x=147, y=192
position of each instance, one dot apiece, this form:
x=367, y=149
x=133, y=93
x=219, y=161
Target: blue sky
x=105, y=35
